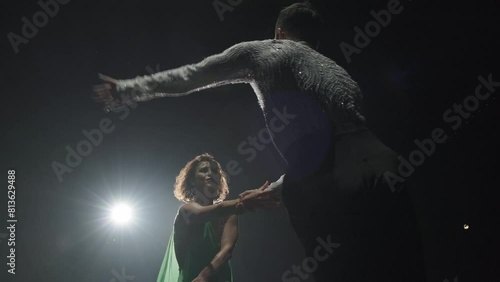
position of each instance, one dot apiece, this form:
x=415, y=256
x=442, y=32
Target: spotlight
x=466, y=226
x=121, y=214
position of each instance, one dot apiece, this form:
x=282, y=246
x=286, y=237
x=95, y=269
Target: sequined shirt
x=288, y=78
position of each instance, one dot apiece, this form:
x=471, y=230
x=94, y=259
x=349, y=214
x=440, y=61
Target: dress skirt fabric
x=200, y=253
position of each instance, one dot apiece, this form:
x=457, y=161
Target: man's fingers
x=245, y=193
x=102, y=98
x=105, y=87
x=102, y=93
x=102, y=87
x=249, y=192
x=264, y=186
x=108, y=78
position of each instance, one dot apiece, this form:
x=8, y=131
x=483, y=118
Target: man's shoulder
x=255, y=44
x=267, y=46
x=254, y=48
x=272, y=42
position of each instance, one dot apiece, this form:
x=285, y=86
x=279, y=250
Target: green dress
x=203, y=245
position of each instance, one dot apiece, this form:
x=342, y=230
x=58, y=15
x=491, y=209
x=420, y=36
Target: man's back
x=290, y=77
x=278, y=66
x=335, y=185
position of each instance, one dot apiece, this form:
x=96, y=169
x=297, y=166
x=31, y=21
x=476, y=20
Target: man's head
x=299, y=22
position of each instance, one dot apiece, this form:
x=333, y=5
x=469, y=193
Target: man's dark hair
x=301, y=21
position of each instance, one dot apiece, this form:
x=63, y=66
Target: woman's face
x=207, y=179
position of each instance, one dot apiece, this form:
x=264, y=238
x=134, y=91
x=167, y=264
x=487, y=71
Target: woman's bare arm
x=228, y=241
x=194, y=212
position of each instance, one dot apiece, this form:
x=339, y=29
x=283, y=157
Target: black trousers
x=337, y=194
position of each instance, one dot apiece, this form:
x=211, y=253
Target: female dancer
x=206, y=227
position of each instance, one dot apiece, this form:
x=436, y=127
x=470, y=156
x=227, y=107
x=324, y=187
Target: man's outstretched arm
x=234, y=65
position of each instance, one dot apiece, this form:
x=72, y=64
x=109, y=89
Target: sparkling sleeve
x=234, y=65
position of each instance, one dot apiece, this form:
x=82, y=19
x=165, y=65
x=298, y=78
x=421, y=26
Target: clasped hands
x=261, y=198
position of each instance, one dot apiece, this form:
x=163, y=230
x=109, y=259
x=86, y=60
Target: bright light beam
x=121, y=214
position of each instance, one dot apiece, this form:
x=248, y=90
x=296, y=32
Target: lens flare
x=121, y=214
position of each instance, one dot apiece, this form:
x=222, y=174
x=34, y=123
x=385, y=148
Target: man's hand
x=261, y=198
x=108, y=79
x=106, y=93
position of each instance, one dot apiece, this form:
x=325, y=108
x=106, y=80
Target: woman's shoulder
x=183, y=215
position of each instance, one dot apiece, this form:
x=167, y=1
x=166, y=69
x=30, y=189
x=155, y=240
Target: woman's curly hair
x=184, y=190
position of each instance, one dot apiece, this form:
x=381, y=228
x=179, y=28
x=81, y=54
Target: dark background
x=424, y=61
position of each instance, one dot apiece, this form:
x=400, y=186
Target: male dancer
x=352, y=223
